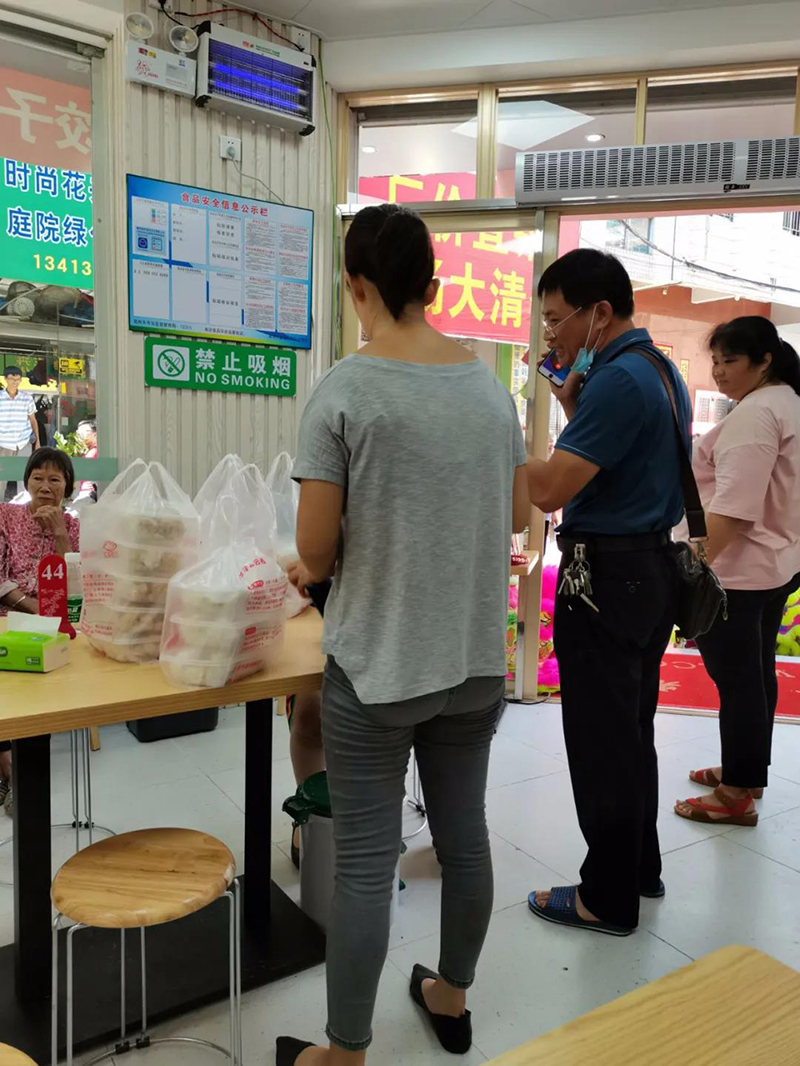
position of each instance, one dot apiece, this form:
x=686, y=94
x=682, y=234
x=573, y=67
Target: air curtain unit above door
x=255, y=79
x=659, y=171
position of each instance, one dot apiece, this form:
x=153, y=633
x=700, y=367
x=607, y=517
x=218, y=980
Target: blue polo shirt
x=624, y=423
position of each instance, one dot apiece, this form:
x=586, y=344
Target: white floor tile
x=515, y=875
x=776, y=838
x=534, y=976
x=232, y=783
x=536, y=725
x=786, y=751
x=720, y=893
x=510, y=762
x=672, y=727
x=538, y=817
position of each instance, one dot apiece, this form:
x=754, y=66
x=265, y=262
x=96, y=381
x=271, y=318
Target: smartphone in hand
x=551, y=369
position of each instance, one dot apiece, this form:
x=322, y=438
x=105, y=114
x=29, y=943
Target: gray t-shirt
x=426, y=455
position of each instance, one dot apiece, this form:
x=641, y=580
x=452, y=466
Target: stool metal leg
x=237, y=896
x=416, y=801
x=232, y=978
x=124, y=1044
x=70, y=936
x=76, y=814
x=54, y=994
x=144, y=1039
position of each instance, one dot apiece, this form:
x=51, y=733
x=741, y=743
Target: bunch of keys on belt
x=577, y=578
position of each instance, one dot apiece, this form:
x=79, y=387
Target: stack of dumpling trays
x=225, y=615
x=143, y=530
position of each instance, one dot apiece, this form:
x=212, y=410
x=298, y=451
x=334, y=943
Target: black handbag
x=701, y=596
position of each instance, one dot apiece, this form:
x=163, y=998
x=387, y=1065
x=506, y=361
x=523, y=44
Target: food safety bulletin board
x=210, y=264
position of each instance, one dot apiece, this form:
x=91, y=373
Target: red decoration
x=53, y=591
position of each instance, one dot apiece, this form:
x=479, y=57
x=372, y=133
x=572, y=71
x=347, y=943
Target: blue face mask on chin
x=583, y=361
x=585, y=358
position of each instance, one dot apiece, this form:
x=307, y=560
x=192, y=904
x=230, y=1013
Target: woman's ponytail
x=786, y=366
x=391, y=247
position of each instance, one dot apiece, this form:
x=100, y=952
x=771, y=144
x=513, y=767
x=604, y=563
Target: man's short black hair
x=586, y=276
x=12, y=370
x=52, y=457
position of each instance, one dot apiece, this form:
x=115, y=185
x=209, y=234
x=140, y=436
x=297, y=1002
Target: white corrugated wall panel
x=172, y=139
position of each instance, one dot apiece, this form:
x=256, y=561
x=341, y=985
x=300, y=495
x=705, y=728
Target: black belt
x=601, y=544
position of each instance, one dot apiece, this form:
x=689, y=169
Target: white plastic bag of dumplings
x=225, y=615
x=286, y=494
x=255, y=508
x=216, y=484
x=142, y=530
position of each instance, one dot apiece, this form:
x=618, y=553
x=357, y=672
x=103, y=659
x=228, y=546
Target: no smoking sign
x=171, y=362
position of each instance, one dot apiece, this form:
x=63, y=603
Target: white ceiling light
x=527, y=123
x=369, y=149
x=595, y=137
x=140, y=26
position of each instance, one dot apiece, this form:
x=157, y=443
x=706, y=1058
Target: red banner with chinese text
x=487, y=278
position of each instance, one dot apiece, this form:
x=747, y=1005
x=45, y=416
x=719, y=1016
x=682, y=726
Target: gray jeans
x=367, y=750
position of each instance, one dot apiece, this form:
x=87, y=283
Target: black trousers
x=739, y=655
x=609, y=663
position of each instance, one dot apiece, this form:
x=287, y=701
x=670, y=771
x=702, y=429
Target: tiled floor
x=739, y=886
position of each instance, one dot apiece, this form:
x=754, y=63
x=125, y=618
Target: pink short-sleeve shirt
x=23, y=543
x=748, y=467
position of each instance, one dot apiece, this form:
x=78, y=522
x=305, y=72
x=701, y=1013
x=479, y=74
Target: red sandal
x=708, y=779
x=735, y=812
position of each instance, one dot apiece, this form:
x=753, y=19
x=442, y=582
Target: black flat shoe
x=659, y=893
x=455, y=1034
x=288, y=1050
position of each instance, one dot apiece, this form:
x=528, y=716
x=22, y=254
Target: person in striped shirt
x=17, y=420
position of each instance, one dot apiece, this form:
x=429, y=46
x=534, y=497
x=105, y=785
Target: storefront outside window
x=46, y=240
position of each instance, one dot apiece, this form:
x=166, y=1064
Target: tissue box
x=38, y=653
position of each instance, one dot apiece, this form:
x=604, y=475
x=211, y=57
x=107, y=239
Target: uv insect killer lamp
x=255, y=79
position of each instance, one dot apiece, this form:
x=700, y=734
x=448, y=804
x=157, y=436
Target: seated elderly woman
x=28, y=532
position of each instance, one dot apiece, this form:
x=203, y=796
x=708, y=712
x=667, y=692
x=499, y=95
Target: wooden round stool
x=139, y=879
x=9, y=1056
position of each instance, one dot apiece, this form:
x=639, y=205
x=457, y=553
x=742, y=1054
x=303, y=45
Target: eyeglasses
x=550, y=330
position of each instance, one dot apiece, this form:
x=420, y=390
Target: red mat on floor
x=686, y=685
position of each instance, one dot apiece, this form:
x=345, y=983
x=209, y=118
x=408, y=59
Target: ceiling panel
x=279, y=9
x=345, y=19
x=387, y=18
x=568, y=10
x=504, y=13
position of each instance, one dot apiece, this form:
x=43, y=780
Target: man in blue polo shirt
x=616, y=473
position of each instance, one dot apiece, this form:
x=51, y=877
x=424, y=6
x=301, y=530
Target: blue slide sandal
x=561, y=910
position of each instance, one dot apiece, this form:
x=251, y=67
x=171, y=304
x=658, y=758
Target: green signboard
x=219, y=367
x=46, y=232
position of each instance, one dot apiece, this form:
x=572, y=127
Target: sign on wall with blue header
x=210, y=264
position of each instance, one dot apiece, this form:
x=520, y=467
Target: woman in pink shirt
x=748, y=473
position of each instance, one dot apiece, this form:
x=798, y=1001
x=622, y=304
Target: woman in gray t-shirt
x=412, y=469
